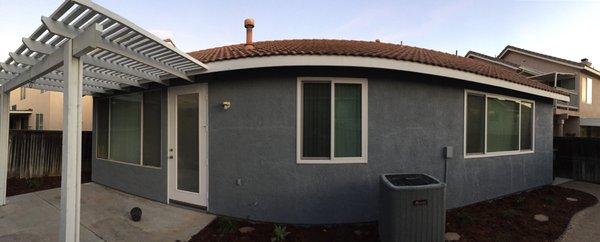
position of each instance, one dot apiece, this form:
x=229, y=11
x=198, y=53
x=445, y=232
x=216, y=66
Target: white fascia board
x=371, y=62
x=592, y=70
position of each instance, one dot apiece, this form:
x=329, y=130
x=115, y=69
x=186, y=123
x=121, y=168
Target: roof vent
x=249, y=24
x=586, y=62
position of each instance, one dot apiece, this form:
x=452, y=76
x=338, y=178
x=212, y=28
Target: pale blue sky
x=568, y=29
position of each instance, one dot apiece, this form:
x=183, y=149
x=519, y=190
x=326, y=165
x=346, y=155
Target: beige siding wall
x=38, y=102
x=589, y=110
x=537, y=64
x=57, y=115
x=50, y=105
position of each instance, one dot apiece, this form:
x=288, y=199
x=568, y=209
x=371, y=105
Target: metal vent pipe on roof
x=249, y=24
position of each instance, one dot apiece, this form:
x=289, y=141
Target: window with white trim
x=128, y=128
x=498, y=125
x=332, y=120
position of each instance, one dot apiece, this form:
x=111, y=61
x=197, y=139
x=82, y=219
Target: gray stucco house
x=298, y=131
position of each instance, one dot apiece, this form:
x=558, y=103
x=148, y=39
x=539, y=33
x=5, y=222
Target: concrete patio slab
x=584, y=225
x=104, y=217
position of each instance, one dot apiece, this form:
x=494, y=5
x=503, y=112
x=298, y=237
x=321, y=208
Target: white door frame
x=201, y=198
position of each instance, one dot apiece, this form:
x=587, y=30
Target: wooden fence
x=577, y=158
x=39, y=153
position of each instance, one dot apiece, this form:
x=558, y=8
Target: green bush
x=519, y=202
x=33, y=183
x=279, y=233
x=464, y=219
x=508, y=213
x=549, y=201
x=226, y=225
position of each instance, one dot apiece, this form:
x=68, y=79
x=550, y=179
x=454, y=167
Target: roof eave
x=372, y=62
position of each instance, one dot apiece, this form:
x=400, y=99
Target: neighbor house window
x=586, y=90
x=128, y=128
x=498, y=125
x=39, y=121
x=332, y=119
x=23, y=93
x=589, y=89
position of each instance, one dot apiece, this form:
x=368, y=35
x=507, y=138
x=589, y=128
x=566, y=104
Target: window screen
x=348, y=120
x=102, y=128
x=152, y=127
x=125, y=130
x=475, y=123
x=316, y=120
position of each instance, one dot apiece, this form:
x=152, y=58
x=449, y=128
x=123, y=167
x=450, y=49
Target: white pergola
x=84, y=49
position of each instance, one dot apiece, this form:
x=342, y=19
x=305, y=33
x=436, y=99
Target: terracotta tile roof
x=367, y=49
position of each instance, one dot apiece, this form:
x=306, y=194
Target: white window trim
x=141, y=162
x=485, y=138
x=364, y=121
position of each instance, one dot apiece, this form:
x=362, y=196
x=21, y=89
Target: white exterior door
x=188, y=144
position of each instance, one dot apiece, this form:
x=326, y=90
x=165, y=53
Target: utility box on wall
x=412, y=208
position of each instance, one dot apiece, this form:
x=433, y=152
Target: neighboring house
x=299, y=131
x=35, y=109
x=578, y=117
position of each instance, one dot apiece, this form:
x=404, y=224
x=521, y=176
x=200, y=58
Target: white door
x=188, y=143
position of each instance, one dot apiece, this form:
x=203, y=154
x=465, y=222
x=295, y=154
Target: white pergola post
x=71, y=149
x=4, y=123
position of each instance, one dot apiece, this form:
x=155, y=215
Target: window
x=129, y=128
x=586, y=90
x=23, y=93
x=39, y=121
x=332, y=120
x=497, y=125
x=588, y=95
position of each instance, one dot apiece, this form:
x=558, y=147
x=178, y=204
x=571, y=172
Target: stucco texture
x=411, y=118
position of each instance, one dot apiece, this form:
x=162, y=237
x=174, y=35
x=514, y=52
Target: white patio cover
x=83, y=49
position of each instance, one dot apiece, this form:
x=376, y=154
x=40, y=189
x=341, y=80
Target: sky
x=566, y=29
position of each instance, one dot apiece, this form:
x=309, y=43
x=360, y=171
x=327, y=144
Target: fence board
x=577, y=158
x=39, y=153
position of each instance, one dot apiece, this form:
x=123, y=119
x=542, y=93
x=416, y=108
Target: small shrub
x=279, y=233
x=519, y=202
x=508, y=213
x=226, y=225
x=464, y=219
x=33, y=183
x=549, y=201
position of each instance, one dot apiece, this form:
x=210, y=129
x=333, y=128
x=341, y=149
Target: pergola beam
x=68, y=31
x=99, y=9
x=23, y=59
x=88, y=86
x=118, y=68
x=51, y=62
x=45, y=66
x=108, y=46
x=61, y=29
